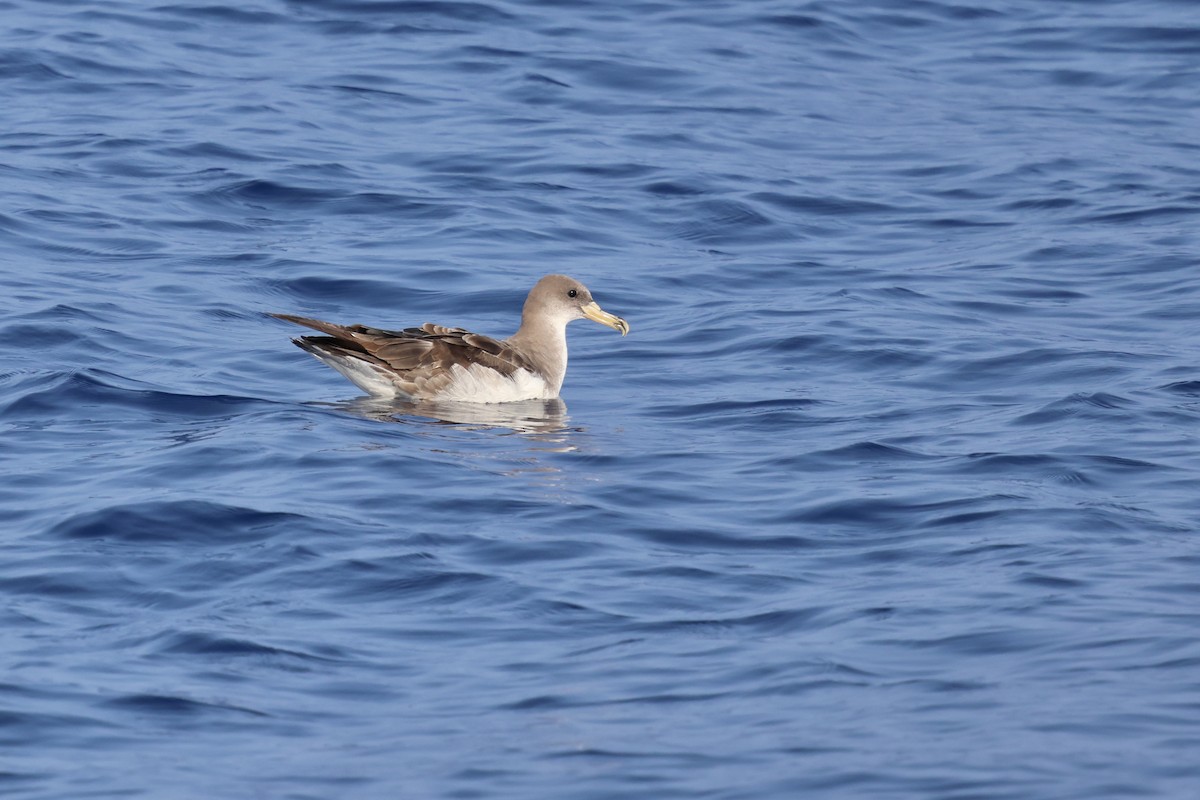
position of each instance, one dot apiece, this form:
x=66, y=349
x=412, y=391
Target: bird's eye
x=572, y=293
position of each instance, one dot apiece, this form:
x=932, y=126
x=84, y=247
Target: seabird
x=433, y=362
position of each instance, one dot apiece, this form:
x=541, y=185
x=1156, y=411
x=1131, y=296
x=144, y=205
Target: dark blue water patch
x=427, y=584
x=674, y=189
x=19, y=780
x=623, y=76
x=1051, y=581
x=769, y=623
x=29, y=65
x=964, y=222
x=1099, y=405
x=670, y=576
x=818, y=29
x=1084, y=78
x=16, y=727
x=801, y=343
x=1042, y=204
x=225, y=14
x=502, y=552
x=58, y=326
x=307, y=288
x=733, y=409
x=208, y=646
x=532, y=89
x=699, y=539
x=799, y=21
x=73, y=64
x=492, y=53
x=858, y=454
x=1080, y=252
x=1040, y=366
x=181, y=521
x=266, y=195
x=992, y=642
x=1138, y=215
x=94, y=393
x=213, y=151
x=173, y=706
x=887, y=515
x=1123, y=526
x=1186, y=388
x=1062, y=469
x=412, y=11
x=1182, y=39
x=374, y=93
x=1048, y=291
x=885, y=358
x=613, y=171
x=70, y=584
x=835, y=206
x=767, y=415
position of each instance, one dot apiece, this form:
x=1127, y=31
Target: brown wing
x=418, y=360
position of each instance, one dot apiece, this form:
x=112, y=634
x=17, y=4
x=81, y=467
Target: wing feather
x=419, y=362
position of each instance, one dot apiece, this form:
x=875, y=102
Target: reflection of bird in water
x=525, y=416
x=452, y=364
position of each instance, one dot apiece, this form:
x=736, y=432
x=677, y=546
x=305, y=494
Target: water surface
x=892, y=491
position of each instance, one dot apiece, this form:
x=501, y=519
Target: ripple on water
x=48, y=395
x=178, y=521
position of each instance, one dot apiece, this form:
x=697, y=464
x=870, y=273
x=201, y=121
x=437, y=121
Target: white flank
x=475, y=384
x=479, y=384
x=360, y=373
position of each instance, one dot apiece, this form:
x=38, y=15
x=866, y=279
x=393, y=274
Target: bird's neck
x=544, y=342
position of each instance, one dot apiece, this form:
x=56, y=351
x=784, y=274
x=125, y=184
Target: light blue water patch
x=892, y=490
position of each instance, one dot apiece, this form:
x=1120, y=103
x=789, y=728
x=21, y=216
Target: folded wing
x=418, y=362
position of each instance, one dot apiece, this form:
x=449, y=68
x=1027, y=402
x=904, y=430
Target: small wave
x=699, y=539
x=424, y=585
x=767, y=623
x=262, y=194
x=173, y=706
x=53, y=394
x=813, y=204
x=1187, y=388
x=863, y=453
x=718, y=221
x=183, y=521
x=1139, y=215
x=200, y=643
x=411, y=10
x=1094, y=405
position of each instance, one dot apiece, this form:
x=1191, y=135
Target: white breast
x=478, y=384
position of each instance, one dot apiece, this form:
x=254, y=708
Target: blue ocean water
x=893, y=491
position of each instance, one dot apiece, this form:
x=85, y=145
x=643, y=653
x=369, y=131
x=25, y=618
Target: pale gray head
x=559, y=300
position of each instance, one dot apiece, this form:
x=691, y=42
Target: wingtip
x=285, y=317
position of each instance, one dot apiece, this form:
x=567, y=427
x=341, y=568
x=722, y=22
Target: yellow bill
x=598, y=314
